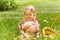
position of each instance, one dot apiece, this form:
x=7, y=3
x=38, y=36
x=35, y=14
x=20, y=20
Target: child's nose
x=28, y=15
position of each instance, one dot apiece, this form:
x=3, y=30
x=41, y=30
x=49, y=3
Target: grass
x=9, y=24
x=9, y=19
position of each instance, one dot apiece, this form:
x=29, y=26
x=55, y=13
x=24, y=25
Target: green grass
x=9, y=24
x=9, y=19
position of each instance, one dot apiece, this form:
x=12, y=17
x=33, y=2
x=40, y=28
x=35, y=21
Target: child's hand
x=27, y=35
x=22, y=32
x=38, y=35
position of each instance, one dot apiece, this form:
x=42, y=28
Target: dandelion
x=51, y=18
x=45, y=21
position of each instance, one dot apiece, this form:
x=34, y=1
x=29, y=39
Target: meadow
x=46, y=12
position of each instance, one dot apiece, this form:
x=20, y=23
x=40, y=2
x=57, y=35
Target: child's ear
x=33, y=14
x=24, y=12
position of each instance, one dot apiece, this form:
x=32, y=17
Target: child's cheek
x=32, y=15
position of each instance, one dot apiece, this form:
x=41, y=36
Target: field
x=45, y=14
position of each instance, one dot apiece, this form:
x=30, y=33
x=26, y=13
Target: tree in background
x=7, y=5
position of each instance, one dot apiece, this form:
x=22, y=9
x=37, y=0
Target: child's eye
x=29, y=14
x=25, y=14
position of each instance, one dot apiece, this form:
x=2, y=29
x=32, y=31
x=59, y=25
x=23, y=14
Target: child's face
x=28, y=15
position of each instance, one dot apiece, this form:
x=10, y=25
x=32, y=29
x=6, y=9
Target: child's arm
x=38, y=30
x=20, y=27
x=38, y=35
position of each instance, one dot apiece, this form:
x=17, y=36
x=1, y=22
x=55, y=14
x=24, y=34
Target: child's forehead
x=28, y=12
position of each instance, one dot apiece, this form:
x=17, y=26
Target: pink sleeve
x=36, y=24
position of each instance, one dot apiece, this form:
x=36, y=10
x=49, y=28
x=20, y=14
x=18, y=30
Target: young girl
x=29, y=15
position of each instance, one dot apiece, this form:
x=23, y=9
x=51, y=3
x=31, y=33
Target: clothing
x=36, y=27
x=35, y=23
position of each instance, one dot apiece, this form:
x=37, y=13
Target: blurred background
x=11, y=12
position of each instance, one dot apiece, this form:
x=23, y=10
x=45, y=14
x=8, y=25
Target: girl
x=29, y=15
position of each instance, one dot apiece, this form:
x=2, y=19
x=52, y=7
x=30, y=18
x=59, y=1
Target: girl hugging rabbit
x=29, y=26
